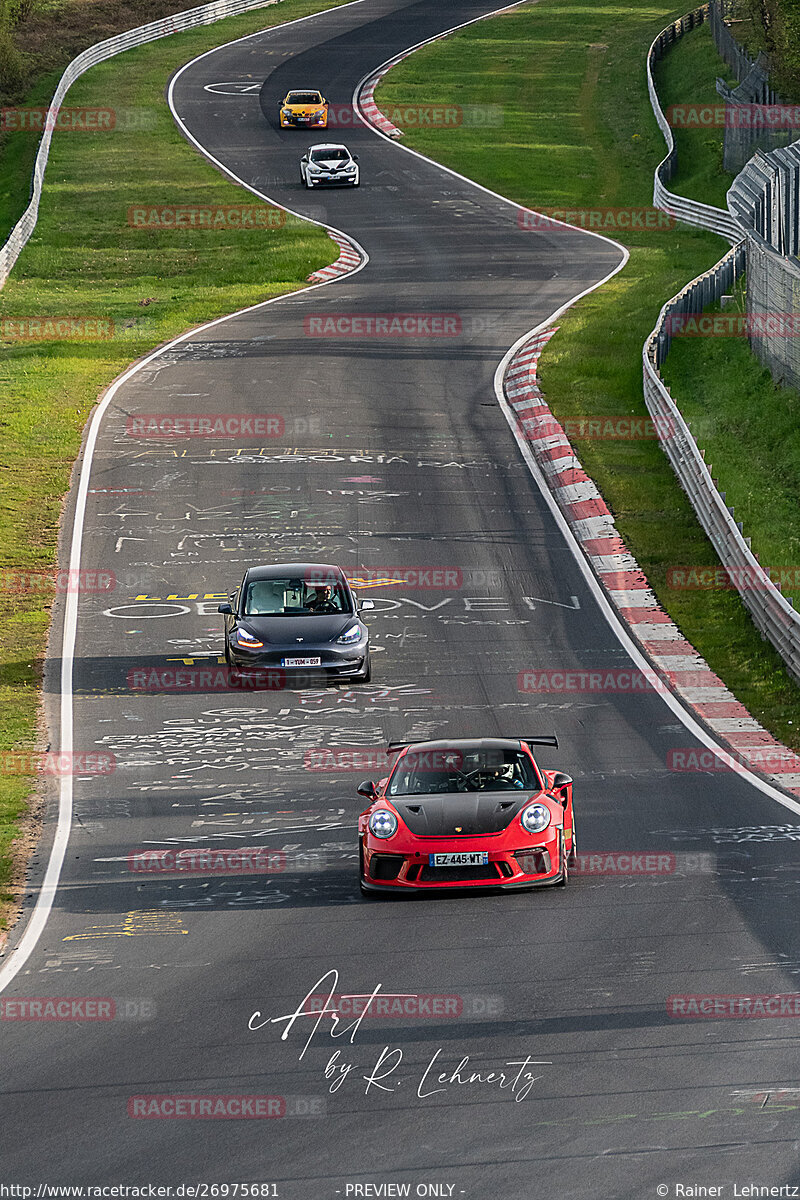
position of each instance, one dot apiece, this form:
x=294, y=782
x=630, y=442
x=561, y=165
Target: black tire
x=562, y=856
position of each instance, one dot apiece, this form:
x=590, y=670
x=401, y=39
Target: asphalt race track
x=394, y=454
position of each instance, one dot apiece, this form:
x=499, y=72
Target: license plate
x=465, y=858
x=301, y=662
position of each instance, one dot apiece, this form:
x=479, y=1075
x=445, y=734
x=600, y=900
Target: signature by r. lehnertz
x=386, y=1074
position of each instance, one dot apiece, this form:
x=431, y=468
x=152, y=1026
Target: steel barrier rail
x=691, y=212
x=772, y=612
x=192, y=18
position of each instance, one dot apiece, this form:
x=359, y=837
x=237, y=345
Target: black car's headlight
x=383, y=823
x=535, y=818
x=350, y=636
x=248, y=640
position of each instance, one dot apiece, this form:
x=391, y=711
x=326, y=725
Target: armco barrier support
x=772, y=613
x=206, y=14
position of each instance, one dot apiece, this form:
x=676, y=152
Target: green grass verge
x=85, y=260
x=688, y=71
x=578, y=131
x=731, y=401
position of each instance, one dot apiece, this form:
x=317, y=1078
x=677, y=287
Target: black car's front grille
x=385, y=866
x=488, y=872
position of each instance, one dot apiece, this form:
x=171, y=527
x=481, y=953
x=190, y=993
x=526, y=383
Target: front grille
x=385, y=866
x=488, y=872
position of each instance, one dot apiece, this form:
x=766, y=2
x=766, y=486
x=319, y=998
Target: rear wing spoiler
x=548, y=739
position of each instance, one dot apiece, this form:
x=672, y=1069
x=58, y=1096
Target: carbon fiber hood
x=462, y=813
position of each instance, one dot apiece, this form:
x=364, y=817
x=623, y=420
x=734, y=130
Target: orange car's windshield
x=304, y=98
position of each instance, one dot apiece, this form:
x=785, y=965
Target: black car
x=297, y=617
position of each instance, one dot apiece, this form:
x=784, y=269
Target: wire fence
x=765, y=198
x=755, y=116
x=192, y=18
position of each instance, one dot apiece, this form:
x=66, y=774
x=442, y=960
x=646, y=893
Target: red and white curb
x=348, y=260
x=366, y=100
x=674, y=658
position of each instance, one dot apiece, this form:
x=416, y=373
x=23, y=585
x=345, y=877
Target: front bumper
x=405, y=867
x=337, y=661
x=337, y=181
x=297, y=122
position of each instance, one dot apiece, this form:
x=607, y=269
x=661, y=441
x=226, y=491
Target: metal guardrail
x=192, y=18
x=772, y=613
x=691, y=212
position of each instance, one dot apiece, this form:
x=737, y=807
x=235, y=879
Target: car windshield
x=461, y=769
x=295, y=597
x=304, y=98
x=338, y=154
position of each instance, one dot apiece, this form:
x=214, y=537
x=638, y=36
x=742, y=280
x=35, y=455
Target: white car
x=327, y=164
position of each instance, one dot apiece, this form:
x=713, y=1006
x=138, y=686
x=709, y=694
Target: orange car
x=304, y=110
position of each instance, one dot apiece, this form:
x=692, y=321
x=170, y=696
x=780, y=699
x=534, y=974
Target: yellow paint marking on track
x=135, y=924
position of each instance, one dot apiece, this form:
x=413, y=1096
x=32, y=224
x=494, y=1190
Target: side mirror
x=367, y=788
x=304, y=158
x=561, y=780
x=366, y=605
x=355, y=157
x=225, y=608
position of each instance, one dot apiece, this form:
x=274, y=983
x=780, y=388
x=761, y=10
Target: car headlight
x=350, y=636
x=246, y=639
x=350, y=170
x=286, y=112
x=314, y=170
x=535, y=818
x=383, y=823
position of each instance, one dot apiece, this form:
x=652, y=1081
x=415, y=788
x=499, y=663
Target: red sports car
x=474, y=812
